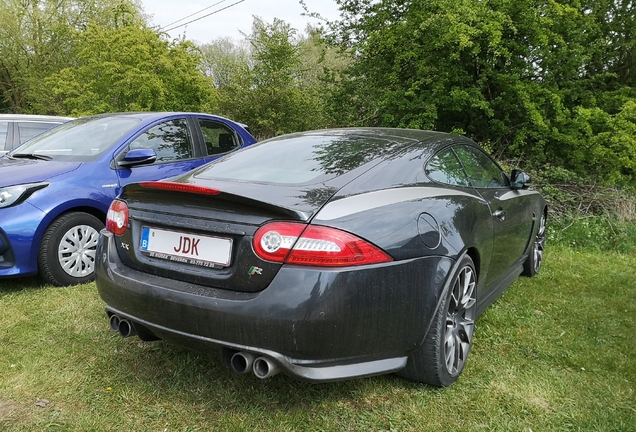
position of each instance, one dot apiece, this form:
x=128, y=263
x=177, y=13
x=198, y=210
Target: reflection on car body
x=340, y=253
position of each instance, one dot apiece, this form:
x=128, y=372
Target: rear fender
x=414, y=222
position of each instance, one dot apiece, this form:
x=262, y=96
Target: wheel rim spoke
x=454, y=301
x=451, y=348
x=468, y=290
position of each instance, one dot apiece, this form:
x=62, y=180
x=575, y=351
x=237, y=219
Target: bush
x=598, y=233
x=584, y=215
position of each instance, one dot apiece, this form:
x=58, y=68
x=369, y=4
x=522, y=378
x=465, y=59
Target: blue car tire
x=67, y=251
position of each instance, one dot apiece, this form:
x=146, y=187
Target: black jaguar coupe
x=326, y=255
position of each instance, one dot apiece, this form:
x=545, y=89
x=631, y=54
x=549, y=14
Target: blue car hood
x=21, y=171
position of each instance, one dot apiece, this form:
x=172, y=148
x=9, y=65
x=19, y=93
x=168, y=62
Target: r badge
x=255, y=270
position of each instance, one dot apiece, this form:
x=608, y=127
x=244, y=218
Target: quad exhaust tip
x=243, y=362
x=122, y=326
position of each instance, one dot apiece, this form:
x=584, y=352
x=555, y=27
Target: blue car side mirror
x=142, y=156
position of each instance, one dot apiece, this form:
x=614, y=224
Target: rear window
x=27, y=130
x=299, y=159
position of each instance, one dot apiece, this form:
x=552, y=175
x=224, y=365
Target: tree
x=223, y=58
x=129, y=68
x=38, y=38
x=531, y=80
x=271, y=81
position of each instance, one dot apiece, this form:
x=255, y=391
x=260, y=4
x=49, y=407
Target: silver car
x=18, y=128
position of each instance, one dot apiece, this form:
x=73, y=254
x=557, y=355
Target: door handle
x=500, y=214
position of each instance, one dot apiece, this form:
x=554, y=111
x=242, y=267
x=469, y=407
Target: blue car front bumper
x=20, y=234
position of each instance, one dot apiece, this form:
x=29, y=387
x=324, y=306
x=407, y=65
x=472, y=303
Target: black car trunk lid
x=206, y=239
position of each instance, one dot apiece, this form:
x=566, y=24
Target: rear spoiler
x=189, y=188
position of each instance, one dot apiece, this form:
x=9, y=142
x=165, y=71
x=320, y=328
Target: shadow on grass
x=21, y=284
x=191, y=377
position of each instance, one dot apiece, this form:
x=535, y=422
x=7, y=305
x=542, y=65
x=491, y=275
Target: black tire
x=441, y=358
x=67, y=251
x=532, y=264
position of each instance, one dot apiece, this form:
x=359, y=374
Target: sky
x=231, y=21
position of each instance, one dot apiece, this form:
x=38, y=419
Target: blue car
x=55, y=189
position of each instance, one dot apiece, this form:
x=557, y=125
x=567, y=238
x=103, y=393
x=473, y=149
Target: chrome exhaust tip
x=113, y=321
x=241, y=362
x=265, y=368
x=126, y=328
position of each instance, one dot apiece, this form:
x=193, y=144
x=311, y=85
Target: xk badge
x=255, y=270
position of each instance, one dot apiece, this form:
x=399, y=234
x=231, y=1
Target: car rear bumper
x=315, y=324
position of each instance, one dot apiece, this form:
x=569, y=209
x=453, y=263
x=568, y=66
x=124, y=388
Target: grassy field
x=555, y=352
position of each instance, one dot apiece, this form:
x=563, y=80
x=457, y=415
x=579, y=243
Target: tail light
x=117, y=217
x=313, y=245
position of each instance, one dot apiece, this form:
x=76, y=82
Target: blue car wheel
x=67, y=251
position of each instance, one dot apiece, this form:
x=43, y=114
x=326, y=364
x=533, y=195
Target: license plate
x=187, y=248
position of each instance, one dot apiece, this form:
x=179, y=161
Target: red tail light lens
x=296, y=243
x=180, y=187
x=117, y=217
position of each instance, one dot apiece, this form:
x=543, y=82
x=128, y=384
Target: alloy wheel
x=539, y=245
x=460, y=320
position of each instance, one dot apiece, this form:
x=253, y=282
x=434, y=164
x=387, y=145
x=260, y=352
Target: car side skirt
x=499, y=285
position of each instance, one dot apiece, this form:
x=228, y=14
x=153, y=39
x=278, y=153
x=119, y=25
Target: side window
x=4, y=131
x=27, y=130
x=171, y=140
x=218, y=137
x=445, y=168
x=481, y=170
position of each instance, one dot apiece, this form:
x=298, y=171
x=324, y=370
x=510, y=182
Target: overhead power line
x=204, y=16
x=196, y=13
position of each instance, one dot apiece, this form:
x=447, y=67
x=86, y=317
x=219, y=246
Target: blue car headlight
x=11, y=195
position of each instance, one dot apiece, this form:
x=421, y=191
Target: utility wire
x=196, y=13
x=204, y=16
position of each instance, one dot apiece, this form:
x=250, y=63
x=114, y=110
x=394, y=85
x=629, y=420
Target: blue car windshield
x=81, y=140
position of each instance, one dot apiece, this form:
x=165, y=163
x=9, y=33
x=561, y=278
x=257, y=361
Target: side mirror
x=519, y=179
x=142, y=156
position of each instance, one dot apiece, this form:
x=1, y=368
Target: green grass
x=555, y=352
